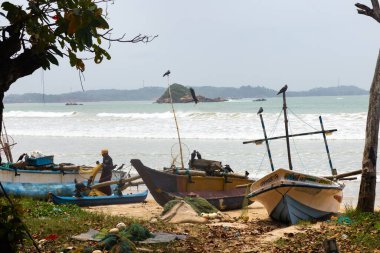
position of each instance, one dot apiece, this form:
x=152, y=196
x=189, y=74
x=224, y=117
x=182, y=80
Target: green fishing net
x=200, y=205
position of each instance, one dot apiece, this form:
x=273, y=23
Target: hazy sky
x=306, y=44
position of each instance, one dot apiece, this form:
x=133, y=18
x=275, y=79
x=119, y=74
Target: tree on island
x=367, y=193
x=41, y=30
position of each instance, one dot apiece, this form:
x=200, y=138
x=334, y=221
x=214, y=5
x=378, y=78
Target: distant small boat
x=100, y=200
x=259, y=100
x=72, y=103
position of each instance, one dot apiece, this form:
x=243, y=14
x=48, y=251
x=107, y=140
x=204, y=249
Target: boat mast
x=333, y=171
x=283, y=91
x=266, y=138
x=176, y=123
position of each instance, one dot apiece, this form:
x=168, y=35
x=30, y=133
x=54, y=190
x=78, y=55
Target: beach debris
x=41, y=243
x=209, y=216
x=236, y=225
x=90, y=235
x=162, y=237
x=143, y=250
x=330, y=245
x=51, y=237
x=113, y=231
x=345, y=220
x=121, y=226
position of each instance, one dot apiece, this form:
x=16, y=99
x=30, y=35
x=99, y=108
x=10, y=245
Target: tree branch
x=365, y=10
x=136, y=39
x=24, y=64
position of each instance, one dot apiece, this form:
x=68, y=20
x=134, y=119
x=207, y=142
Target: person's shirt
x=107, y=162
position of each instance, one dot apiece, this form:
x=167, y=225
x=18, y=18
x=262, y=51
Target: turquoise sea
x=146, y=130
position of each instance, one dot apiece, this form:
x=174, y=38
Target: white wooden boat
x=290, y=196
x=38, y=182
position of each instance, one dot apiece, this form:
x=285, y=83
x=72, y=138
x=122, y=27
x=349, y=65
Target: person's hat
x=104, y=151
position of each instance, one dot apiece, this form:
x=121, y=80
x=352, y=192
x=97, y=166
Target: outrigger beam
x=260, y=141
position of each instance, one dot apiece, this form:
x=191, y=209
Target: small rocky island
x=181, y=94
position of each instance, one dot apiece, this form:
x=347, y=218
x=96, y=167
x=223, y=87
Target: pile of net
x=187, y=210
x=121, y=239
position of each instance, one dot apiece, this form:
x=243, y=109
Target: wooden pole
x=343, y=175
x=266, y=142
x=124, y=180
x=6, y=145
x=286, y=130
x=176, y=124
x=259, y=141
x=367, y=192
x=333, y=171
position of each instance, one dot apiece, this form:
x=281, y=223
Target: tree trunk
x=367, y=191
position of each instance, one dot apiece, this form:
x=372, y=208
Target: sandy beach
x=150, y=209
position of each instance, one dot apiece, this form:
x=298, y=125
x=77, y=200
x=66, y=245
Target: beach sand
x=151, y=209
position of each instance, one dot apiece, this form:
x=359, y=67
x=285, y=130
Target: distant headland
x=154, y=93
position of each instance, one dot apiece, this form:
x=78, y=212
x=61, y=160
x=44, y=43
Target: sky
x=224, y=43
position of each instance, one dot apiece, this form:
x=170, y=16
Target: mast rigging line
x=271, y=134
x=299, y=118
x=295, y=147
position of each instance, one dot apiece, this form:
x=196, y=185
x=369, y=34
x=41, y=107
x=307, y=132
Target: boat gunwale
x=296, y=185
x=48, y=171
x=138, y=194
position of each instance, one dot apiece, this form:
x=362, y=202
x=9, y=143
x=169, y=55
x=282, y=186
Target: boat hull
x=165, y=186
x=100, y=200
x=290, y=196
x=38, y=183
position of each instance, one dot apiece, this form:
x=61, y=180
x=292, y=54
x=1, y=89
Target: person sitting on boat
x=227, y=169
x=106, y=172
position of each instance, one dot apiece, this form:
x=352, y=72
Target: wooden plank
x=124, y=180
x=291, y=135
x=343, y=175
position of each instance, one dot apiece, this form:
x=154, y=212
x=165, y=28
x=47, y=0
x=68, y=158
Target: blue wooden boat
x=100, y=200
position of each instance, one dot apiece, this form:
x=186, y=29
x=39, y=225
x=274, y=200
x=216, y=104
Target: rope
x=295, y=147
x=302, y=120
x=270, y=135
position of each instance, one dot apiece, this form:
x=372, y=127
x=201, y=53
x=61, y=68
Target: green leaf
x=57, y=51
x=7, y=6
x=51, y=58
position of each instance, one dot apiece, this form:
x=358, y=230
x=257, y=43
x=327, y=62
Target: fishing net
x=117, y=244
x=200, y=205
x=136, y=232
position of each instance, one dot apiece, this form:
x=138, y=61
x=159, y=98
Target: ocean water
x=146, y=130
